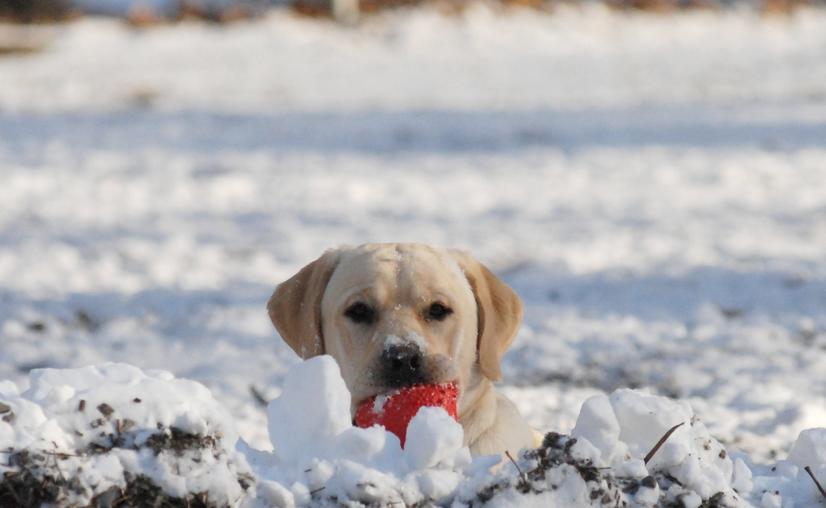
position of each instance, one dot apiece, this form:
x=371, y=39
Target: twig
x=650, y=454
x=316, y=491
x=57, y=466
x=258, y=396
x=61, y=455
x=521, y=473
x=808, y=469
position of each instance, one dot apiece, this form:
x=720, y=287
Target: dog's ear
x=295, y=306
x=499, y=312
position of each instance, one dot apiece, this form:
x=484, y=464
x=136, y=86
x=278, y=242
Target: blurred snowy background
x=653, y=185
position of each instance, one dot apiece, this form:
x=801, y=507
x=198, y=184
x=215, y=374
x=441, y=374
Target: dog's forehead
x=417, y=268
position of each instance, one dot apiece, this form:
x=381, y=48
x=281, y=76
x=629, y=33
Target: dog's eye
x=438, y=312
x=361, y=313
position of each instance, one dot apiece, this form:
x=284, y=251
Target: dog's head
x=394, y=315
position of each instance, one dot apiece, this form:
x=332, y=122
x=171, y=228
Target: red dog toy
x=394, y=411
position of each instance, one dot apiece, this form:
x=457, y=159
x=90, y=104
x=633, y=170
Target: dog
x=398, y=314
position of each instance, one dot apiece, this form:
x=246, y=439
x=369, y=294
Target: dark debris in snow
x=604, y=487
x=37, y=477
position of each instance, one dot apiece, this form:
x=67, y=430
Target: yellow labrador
x=394, y=315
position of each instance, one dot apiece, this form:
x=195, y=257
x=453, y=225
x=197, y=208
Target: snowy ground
x=653, y=187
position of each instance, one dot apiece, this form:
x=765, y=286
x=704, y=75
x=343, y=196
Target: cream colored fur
x=400, y=281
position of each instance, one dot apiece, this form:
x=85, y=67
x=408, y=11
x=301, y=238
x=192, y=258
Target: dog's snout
x=402, y=365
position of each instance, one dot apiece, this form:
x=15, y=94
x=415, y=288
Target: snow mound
x=320, y=457
x=787, y=484
x=627, y=425
x=95, y=435
x=603, y=462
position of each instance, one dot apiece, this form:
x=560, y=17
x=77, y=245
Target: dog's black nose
x=402, y=365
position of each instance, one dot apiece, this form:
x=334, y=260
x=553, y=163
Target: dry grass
x=22, y=39
x=35, y=11
x=321, y=8
x=142, y=16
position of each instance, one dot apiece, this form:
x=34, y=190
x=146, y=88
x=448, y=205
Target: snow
x=98, y=424
x=311, y=409
x=809, y=448
x=315, y=445
x=317, y=456
x=434, y=437
x=628, y=424
x=411, y=338
x=651, y=186
x=71, y=398
x=424, y=61
x=794, y=488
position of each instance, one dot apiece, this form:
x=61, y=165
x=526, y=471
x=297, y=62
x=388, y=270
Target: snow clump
x=320, y=457
x=93, y=434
